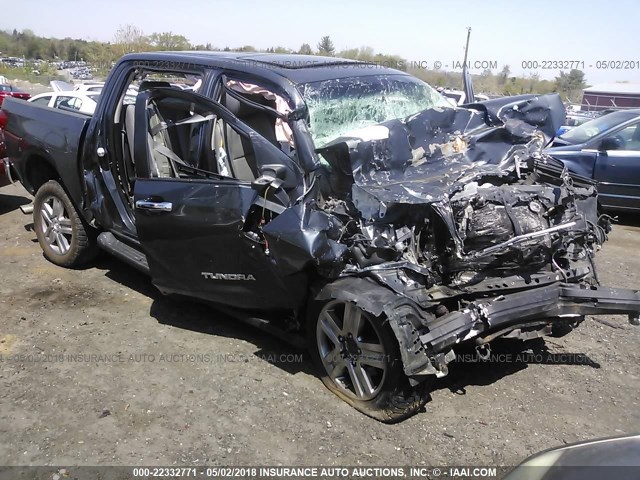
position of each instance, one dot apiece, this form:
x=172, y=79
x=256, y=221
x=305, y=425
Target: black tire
x=74, y=241
x=393, y=399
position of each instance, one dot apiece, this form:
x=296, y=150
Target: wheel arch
x=38, y=169
x=404, y=316
x=364, y=292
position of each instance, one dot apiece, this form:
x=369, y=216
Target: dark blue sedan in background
x=606, y=149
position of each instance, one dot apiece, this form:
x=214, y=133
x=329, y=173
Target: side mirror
x=263, y=182
x=611, y=143
x=277, y=175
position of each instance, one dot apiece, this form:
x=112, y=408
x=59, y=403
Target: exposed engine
x=484, y=230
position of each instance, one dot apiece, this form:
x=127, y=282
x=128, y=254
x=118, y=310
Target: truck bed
x=52, y=134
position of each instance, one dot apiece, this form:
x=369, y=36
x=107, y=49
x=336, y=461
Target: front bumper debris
x=553, y=302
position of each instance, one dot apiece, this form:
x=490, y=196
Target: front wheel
x=64, y=238
x=358, y=358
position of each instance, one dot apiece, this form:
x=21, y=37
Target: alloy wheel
x=351, y=349
x=56, y=225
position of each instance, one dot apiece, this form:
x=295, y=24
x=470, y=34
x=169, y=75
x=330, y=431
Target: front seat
x=241, y=157
x=158, y=142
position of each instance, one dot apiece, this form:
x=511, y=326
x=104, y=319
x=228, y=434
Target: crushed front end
x=456, y=226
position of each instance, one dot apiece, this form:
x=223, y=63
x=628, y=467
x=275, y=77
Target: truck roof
x=296, y=68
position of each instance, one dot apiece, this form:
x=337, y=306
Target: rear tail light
x=3, y=119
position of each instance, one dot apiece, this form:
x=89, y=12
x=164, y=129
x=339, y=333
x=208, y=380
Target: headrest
x=242, y=109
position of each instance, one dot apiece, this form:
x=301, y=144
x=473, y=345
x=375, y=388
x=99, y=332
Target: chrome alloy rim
x=351, y=350
x=56, y=225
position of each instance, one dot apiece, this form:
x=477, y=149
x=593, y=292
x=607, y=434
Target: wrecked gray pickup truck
x=327, y=199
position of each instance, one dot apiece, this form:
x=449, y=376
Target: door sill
x=108, y=242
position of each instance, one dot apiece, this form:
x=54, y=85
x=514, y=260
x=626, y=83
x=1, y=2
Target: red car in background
x=5, y=176
x=7, y=90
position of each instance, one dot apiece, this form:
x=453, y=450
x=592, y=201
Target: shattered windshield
x=340, y=106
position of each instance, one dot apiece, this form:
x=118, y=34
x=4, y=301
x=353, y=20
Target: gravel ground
x=174, y=382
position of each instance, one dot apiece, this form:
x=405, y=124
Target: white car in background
x=61, y=86
x=89, y=87
x=83, y=102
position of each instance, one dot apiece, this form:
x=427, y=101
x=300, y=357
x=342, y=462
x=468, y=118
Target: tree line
x=129, y=39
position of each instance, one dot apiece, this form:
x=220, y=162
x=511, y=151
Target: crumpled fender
x=303, y=235
x=405, y=317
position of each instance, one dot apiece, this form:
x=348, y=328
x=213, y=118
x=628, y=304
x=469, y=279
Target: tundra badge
x=227, y=276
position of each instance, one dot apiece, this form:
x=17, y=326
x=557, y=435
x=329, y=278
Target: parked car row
x=15, y=62
x=81, y=73
x=70, y=64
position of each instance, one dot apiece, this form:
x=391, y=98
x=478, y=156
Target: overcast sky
x=503, y=31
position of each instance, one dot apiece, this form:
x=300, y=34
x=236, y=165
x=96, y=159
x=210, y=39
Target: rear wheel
x=64, y=238
x=358, y=358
